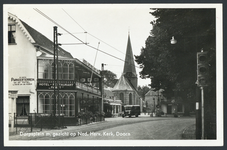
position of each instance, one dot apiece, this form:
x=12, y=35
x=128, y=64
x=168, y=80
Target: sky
x=103, y=26
x=107, y=27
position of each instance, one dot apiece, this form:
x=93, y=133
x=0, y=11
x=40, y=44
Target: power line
x=73, y=20
x=95, y=36
x=90, y=33
x=40, y=12
x=106, y=43
x=44, y=15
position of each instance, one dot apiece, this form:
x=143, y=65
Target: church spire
x=129, y=66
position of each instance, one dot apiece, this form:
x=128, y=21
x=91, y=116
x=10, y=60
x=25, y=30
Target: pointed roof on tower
x=129, y=65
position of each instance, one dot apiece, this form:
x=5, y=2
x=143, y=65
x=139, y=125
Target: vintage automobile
x=131, y=110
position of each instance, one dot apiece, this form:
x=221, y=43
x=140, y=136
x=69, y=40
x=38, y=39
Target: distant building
x=111, y=106
x=155, y=100
x=126, y=87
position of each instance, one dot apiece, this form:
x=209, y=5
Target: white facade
x=154, y=98
x=22, y=70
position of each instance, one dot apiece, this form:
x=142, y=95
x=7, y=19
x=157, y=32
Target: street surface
x=143, y=127
x=154, y=129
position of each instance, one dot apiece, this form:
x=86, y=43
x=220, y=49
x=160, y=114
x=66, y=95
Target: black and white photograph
x=113, y=74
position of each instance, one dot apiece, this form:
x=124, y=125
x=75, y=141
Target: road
x=153, y=129
x=143, y=127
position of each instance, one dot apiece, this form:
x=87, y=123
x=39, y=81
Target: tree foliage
x=173, y=67
x=109, y=78
x=142, y=91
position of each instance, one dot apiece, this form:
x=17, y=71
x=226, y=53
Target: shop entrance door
x=22, y=105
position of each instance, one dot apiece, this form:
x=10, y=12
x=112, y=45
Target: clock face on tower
x=128, y=74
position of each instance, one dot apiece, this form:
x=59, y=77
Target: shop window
x=67, y=103
x=68, y=71
x=53, y=76
x=71, y=71
x=59, y=70
x=71, y=105
x=57, y=74
x=45, y=69
x=46, y=103
x=11, y=34
x=64, y=105
x=65, y=71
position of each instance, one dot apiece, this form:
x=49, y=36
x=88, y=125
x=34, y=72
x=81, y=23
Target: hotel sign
x=22, y=81
x=49, y=85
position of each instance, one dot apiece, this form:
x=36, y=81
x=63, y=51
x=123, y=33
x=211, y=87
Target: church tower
x=126, y=87
x=129, y=71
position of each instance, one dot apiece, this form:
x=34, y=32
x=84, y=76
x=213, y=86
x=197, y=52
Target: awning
x=115, y=104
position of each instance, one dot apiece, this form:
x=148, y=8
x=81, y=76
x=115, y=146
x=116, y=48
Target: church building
x=126, y=87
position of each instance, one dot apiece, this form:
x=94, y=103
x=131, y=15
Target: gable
x=36, y=38
x=150, y=93
x=13, y=19
x=122, y=84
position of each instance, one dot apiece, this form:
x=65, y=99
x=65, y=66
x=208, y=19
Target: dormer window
x=11, y=33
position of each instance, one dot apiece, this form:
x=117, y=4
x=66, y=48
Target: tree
x=173, y=67
x=109, y=78
x=142, y=91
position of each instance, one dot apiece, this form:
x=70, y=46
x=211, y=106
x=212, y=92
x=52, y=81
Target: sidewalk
x=189, y=132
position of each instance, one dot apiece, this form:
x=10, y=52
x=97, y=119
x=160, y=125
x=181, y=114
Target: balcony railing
x=88, y=88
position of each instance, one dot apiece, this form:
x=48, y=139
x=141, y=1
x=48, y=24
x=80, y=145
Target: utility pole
x=102, y=86
x=54, y=76
x=56, y=80
x=202, y=81
x=198, y=114
x=202, y=109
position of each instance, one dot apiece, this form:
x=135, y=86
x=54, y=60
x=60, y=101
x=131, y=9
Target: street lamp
x=173, y=41
x=199, y=115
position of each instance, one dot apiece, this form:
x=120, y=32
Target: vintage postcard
x=113, y=74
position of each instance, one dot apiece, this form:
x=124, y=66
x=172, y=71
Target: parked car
x=131, y=110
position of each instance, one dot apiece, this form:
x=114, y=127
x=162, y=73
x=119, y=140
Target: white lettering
x=122, y=134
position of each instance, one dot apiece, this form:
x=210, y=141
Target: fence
x=37, y=120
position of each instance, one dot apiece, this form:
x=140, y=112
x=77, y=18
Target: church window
x=122, y=97
x=130, y=99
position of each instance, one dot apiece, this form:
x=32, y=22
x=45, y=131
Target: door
x=22, y=106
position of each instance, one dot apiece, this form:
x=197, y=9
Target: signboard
x=22, y=81
x=63, y=85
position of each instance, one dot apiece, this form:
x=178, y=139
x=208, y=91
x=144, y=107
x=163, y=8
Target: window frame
x=11, y=34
